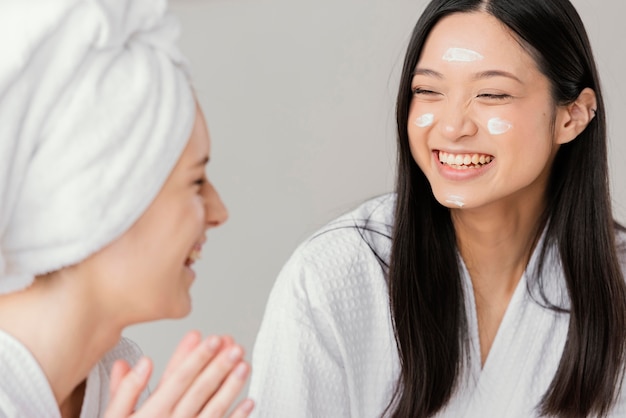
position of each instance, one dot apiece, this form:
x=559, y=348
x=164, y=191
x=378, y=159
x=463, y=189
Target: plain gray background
x=299, y=98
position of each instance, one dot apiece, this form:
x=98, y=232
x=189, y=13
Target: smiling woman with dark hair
x=490, y=284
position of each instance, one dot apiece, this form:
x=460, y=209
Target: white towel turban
x=95, y=110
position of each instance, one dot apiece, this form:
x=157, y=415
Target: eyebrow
x=478, y=76
x=427, y=72
x=496, y=73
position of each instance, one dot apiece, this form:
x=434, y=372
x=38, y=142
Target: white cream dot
x=455, y=200
x=497, y=126
x=461, y=55
x=425, y=120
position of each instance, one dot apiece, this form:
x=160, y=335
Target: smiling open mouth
x=193, y=256
x=465, y=161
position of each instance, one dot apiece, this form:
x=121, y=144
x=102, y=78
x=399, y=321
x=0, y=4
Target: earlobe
x=572, y=119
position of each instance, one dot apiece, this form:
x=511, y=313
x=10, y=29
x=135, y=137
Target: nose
x=456, y=121
x=215, y=210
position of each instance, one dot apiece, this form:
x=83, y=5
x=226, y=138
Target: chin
x=181, y=313
x=452, y=200
x=171, y=309
x=182, y=309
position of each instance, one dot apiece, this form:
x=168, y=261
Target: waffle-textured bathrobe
x=24, y=388
x=326, y=346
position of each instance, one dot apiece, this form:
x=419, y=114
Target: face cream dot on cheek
x=425, y=120
x=497, y=126
x=456, y=200
x=461, y=55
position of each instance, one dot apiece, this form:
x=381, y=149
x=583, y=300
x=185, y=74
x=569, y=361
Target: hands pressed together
x=203, y=379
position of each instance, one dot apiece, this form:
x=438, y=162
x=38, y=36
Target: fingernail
x=142, y=367
x=247, y=406
x=212, y=343
x=241, y=371
x=192, y=337
x=235, y=353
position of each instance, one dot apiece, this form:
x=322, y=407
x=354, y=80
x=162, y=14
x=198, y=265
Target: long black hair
x=426, y=292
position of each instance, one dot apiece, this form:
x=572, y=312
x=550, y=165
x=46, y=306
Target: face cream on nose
x=497, y=126
x=425, y=120
x=461, y=55
x=456, y=200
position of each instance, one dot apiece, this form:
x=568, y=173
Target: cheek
x=191, y=221
x=522, y=136
x=180, y=226
x=198, y=208
x=189, y=210
x=524, y=144
x=420, y=124
x=520, y=121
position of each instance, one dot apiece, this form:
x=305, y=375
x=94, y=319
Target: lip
x=190, y=272
x=454, y=174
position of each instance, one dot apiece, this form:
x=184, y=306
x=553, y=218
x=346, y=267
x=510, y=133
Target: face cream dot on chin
x=461, y=55
x=497, y=126
x=455, y=200
x=425, y=120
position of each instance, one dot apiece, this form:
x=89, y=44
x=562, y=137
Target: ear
x=573, y=118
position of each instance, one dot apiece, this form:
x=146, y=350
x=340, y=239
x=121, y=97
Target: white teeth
x=194, y=256
x=464, y=161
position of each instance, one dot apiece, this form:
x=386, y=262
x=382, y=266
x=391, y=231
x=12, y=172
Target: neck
x=60, y=324
x=496, y=245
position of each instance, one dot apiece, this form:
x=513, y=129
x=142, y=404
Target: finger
x=208, y=383
x=129, y=389
x=189, y=342
x=171, y=390
x=228, y=340
x=118, y=371
x=243, y=410
x=222, y=400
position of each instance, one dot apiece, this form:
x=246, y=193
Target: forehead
x=199, y=144
x=475, y=39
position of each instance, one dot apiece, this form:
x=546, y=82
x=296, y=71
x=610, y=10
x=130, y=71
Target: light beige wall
x=299, y=97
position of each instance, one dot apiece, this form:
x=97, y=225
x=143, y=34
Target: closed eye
x=495, y=96
x=424, y=92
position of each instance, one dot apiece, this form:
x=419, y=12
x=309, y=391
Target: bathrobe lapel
x=523, y=357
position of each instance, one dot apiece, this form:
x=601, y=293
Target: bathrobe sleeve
x=297, y=364
x=326, y=346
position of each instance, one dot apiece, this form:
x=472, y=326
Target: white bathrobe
x=26, y=393
x=326, y=346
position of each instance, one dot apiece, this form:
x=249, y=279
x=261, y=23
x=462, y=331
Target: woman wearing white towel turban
x=104, y=206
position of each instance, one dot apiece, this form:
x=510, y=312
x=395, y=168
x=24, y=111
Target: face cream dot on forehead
x=461, y=55
x=497, y=126
x=425, y=120
x=456, y=200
